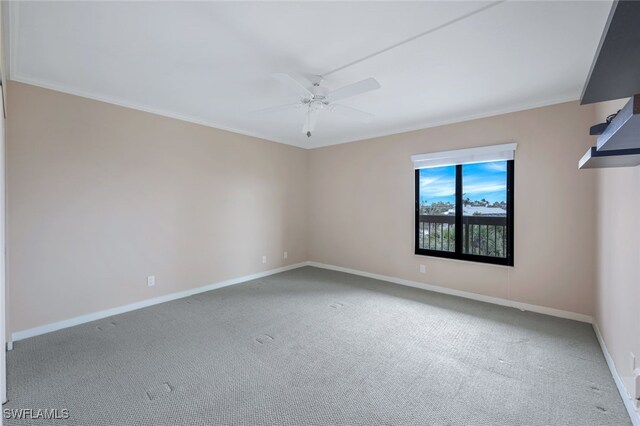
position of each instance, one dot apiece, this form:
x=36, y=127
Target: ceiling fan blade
x=353, y=113
x=362, y=86
x=278, y=108
x=292, y=83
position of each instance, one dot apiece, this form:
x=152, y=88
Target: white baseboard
x=467, y=295
x=24, y=334
x=31, y=332
x=628, y=402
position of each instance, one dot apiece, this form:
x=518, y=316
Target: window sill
x=465, y=261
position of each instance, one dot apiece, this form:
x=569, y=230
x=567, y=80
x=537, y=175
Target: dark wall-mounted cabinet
x=615, y=72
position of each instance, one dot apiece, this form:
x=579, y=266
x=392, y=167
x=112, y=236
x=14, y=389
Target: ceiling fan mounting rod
x=316, y=80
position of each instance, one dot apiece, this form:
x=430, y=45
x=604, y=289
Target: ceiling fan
x=317, y=98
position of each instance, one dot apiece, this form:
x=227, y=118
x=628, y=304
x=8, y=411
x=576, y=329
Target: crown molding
x=446, y=122
x=210, y=123
x=141, y=107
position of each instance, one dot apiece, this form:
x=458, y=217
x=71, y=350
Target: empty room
x=320, y=213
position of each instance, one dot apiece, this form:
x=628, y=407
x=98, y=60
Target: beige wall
x=362, y=197
x=100, y=197
x=618, y=285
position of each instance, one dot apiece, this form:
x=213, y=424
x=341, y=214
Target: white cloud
x=490, y=179
x=437, y=187
x=498, y=166
x=479, y=188
x=427, y=181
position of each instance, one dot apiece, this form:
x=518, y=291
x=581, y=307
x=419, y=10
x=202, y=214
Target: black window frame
x=458, y=254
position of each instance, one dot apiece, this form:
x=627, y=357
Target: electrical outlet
x=286, y=255
x=264, y=259
x=151, y=280
x=423, y=269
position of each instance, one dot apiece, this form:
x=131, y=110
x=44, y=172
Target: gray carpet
x=317, y=347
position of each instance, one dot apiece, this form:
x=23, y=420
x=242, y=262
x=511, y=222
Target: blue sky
x=480, y=180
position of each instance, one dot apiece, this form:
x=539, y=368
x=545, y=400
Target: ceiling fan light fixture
x=317, y=97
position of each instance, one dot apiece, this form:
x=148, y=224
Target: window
x=464, y=204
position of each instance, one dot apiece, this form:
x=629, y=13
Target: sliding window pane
x=484, y=206
x=437, y=204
